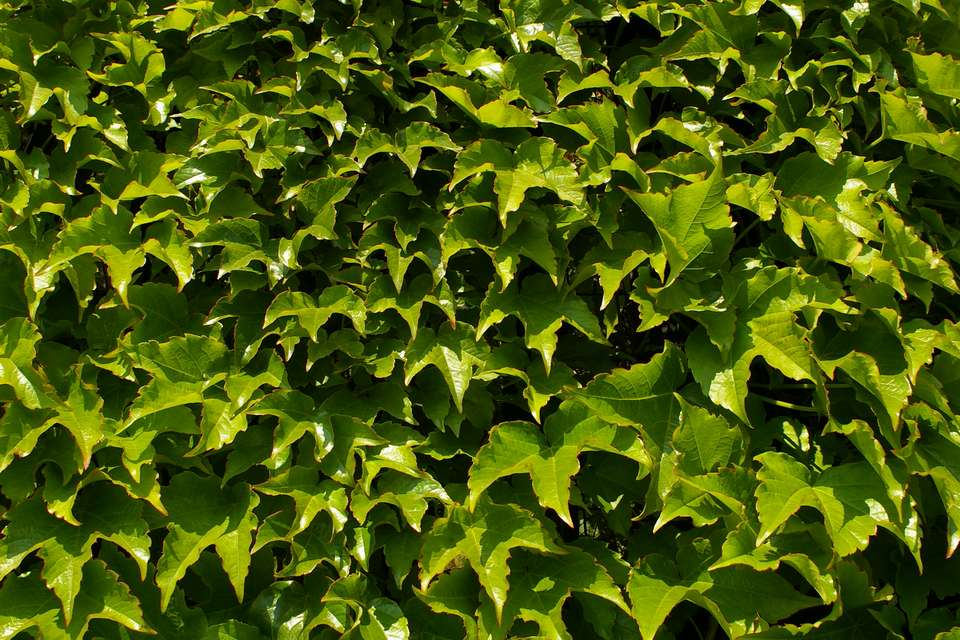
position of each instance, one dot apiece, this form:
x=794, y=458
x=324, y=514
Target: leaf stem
x=746, y=230
x=801, y=385
x=786, y=405
x=712, y=629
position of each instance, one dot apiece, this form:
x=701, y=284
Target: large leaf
x=694, y=225
x=536, y=162
x=454, y=352
x=550, y=457
x=543, y=309
x=738, y=598
x=849, y=497
x=202, y=514
x=105, y=513
x=484, y=537
x=642, y=396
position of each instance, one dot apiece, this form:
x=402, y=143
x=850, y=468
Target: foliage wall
x=436, y=319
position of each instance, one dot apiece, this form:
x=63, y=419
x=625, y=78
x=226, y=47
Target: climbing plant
x=386, y=319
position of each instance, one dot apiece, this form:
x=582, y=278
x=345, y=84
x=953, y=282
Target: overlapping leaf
x=403, y=319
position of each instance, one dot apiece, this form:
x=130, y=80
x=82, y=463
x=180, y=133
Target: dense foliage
x=438, y=319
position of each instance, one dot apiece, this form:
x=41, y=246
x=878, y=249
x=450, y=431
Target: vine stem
x=786, y=405
x=801, y=385
x=712, y=629
x=745, y=231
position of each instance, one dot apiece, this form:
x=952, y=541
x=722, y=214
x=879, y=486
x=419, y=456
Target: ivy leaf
x=408, y=144
x=20, y=429
x=296, y=415
x=550, y=457
x=190, y=358
x=19, y=338
x=798, y=549
x=736, y=597
x=705, y=440
x=643, y=395
x=144, y=62
x=542, y=584
x=902, y=246
x=849, y=496
x=454, y=352
x=536, y=162
x=766, y=303
x=905, y=119
x=304, y=300
x=146, y=174
x=312, y=312
x=409, y=494
x=613, y=264
x=82, y=416
x=693, y=222
x=201, y=514
x=102, y=596
x=319, y=197
x=890, y=389
x=485, y=538
x=704, y=498
x=937, y=73
x=105, y=513
x=936, y=458
x=454, y=592
x=310, y=496
x=542, y=308
x=26, y=604
x=107, y=235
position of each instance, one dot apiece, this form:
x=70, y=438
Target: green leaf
x=693, y=222
x=296, y=416
x=798, y=549
x=102, y=596
x=454, y=592
x=705, y=440
x=454, y=352
x=906, y=250
x=849, y=497
x=484, y=537
x=542, y=584
x=550, y=457
x=312, y=312
x=736, y=597
x=201, y=514
x=906, y=120
x=105, y=513
x=543, y=309
x=146, y=174
x=409, y=494
x=703, y=498
x=319, y=198
x=642, y=396
x=19, y=338
x=937, y=73
x=310, y=496
x=536, y=162
x=24, y=605
x=891, y=389
x=767, y=302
